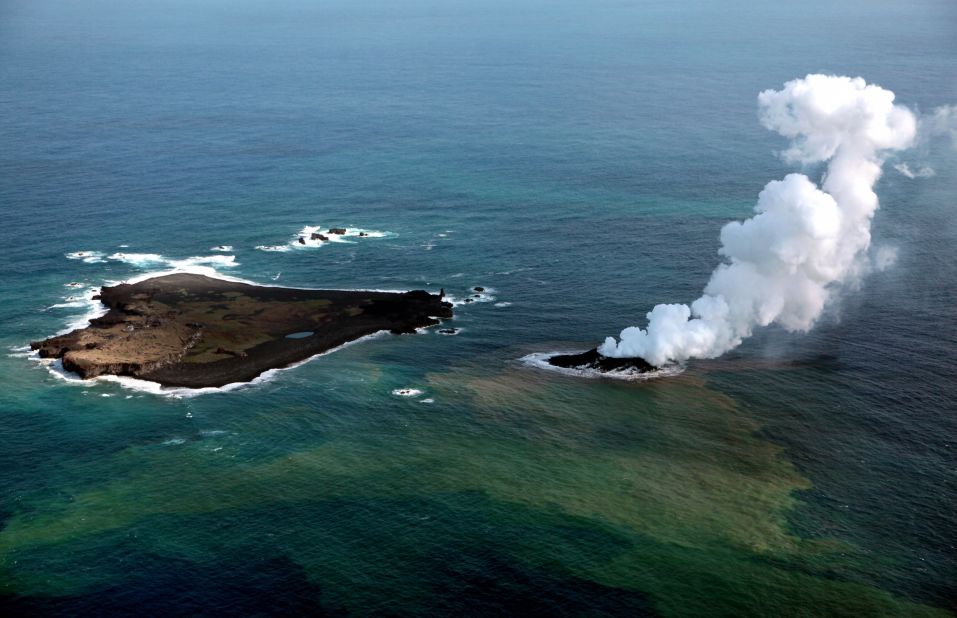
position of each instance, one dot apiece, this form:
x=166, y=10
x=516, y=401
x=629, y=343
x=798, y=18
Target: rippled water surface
x=575, y=161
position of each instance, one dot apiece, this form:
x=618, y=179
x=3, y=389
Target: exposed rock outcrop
x=593, y=360
x=192, y=330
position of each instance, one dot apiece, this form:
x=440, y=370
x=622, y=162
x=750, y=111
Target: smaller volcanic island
x=195, y=331
x=605, y=364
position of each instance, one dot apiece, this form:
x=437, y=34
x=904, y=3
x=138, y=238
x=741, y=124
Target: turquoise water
x=577, y=161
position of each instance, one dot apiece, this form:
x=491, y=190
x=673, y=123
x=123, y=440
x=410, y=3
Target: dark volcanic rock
x=302, y=240
x=593, y=360
x=479, y=288
x=318, y=236
x=337, y=230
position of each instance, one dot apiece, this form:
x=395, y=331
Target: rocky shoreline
x=195, y=331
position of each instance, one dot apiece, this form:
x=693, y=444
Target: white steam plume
x=785, y=262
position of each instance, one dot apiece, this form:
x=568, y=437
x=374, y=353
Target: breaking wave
x=313, y=236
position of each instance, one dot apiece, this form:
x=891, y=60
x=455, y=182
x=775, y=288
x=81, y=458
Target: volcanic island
x=592, y=360
x=190, y=330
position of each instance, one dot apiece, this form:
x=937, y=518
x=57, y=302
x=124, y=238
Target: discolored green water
x=506, y=493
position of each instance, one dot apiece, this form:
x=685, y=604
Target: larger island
x=195, y=331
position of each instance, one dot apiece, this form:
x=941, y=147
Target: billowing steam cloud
x=785, y=262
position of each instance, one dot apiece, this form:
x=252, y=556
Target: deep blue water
x=578, y=160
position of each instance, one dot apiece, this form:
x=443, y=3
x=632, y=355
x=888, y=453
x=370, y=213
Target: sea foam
x=146, y=260
x=151, y=260
x=472, y=297
x=90, y=257
x=406, y=392
x=308, y=242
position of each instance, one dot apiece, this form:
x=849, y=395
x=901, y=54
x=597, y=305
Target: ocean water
x=575, y=159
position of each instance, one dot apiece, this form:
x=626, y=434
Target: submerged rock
x=595, y=361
